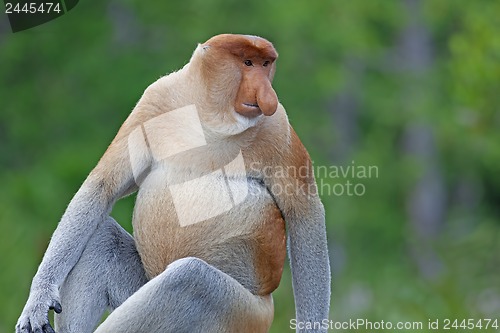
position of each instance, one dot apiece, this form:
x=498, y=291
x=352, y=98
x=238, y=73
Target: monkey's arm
x=110, y=180
x=297, y=197
x=308, y=251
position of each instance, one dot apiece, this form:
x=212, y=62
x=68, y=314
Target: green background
x=411, y=87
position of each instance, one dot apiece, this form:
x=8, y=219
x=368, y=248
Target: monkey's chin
x=243, y=123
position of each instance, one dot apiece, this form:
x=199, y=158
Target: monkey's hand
x=35, y=315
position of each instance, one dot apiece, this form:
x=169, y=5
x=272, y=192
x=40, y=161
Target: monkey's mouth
x=252, y=105
x=250, y=110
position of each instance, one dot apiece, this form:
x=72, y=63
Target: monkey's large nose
x=267, y=98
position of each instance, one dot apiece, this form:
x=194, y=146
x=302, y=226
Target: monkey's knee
x=192, y=283
x=185, y=267
x=189, y=272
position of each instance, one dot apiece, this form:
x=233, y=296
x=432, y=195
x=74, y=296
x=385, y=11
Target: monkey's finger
x=56, y=307
x=26, y=328
x=48, y=329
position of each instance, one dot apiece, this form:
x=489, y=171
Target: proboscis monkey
x=219, y=174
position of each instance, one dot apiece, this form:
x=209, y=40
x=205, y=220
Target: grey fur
x=189, y=296
x=309, y=261
x=108, y=272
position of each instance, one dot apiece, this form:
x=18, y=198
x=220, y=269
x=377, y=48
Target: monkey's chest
x=225, y=219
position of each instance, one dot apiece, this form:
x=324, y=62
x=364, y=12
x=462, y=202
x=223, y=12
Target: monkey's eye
x=266, y=63
x=248, y=62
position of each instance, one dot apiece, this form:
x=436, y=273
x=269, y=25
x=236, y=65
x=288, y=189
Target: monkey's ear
x=201, y=50
x=203, y=47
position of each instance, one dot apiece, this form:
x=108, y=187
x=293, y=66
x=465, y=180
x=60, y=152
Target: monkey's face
x=255, y=94
x=253, y=62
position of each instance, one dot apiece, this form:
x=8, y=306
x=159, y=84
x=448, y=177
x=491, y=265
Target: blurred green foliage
x=411, y=87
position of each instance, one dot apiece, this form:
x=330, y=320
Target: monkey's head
x=237, y=71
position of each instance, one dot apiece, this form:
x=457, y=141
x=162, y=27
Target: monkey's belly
x=247, y=242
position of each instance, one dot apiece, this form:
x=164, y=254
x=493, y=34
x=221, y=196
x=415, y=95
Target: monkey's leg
x=108, y=272
x=191, y=296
